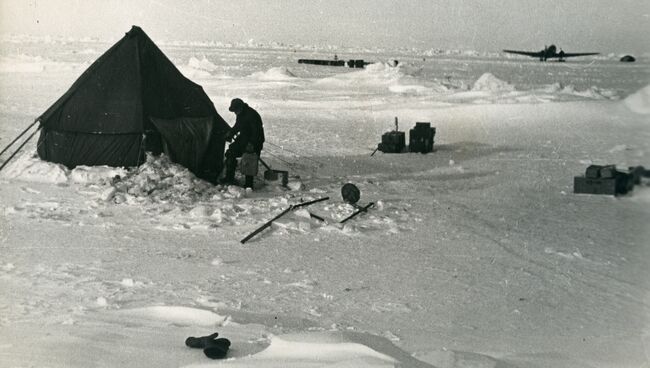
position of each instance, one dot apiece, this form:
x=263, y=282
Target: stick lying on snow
x=292, y=207
x=360, y=209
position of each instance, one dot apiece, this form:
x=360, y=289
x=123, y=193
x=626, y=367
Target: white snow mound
x=379, y=77
x=176, y=315
x=95, y=174
x=489, y=83
x=274, y=74
x=203, y=64
x=639, y=101
x=29, y=167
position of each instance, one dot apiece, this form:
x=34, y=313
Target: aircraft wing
x=527, y=53
x=569, y=54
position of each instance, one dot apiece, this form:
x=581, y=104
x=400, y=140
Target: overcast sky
x=620, y=26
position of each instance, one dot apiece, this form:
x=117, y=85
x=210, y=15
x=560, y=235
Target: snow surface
x=475, y=255
x=639, y=102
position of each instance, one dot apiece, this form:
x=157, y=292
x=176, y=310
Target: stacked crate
x=607, y=180
x=392, y=142
x=421, y=138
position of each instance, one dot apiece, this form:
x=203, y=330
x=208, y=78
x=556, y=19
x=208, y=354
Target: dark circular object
x=350, y=193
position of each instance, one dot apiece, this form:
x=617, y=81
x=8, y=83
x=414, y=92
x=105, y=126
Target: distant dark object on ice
x=358, y=63
x=550, y=52
x=609, y=180
x=628, y=59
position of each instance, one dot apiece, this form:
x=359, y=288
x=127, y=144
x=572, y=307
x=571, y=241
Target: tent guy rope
x=19, y=148
x=18, y=137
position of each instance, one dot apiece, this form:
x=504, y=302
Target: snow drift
x=489, y=83
x=274, y=74
x=639, y=101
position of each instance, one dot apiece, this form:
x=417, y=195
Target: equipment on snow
x=271, y=174
x=421, y=138
x=608, y=180
x=351, y=194
x=393, y=141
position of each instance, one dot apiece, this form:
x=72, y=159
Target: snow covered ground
x=476, y=255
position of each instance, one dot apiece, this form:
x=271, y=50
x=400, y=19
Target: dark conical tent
x=131, y=100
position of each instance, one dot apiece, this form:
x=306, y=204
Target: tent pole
x=20, y=135
x=19, y=148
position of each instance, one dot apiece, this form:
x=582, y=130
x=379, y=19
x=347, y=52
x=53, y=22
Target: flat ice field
x=475, y=255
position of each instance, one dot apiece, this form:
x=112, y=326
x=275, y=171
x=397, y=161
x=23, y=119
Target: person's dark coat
x=250, y=128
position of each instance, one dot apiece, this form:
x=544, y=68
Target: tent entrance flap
x=186, y=140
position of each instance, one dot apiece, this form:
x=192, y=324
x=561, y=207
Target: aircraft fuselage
x=549, y=52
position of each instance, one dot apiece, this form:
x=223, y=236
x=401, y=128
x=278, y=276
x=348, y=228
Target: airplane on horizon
x=550, y=52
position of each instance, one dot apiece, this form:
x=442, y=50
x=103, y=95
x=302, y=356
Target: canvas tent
x=129, y=101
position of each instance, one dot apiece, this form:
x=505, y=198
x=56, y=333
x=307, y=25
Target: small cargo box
x=392, y=142
x=594, y=185
x=421, y=138
x=620, y=183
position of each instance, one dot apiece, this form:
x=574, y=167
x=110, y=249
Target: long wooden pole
x=268, y=223
x=311, y=202
x=361, y=209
